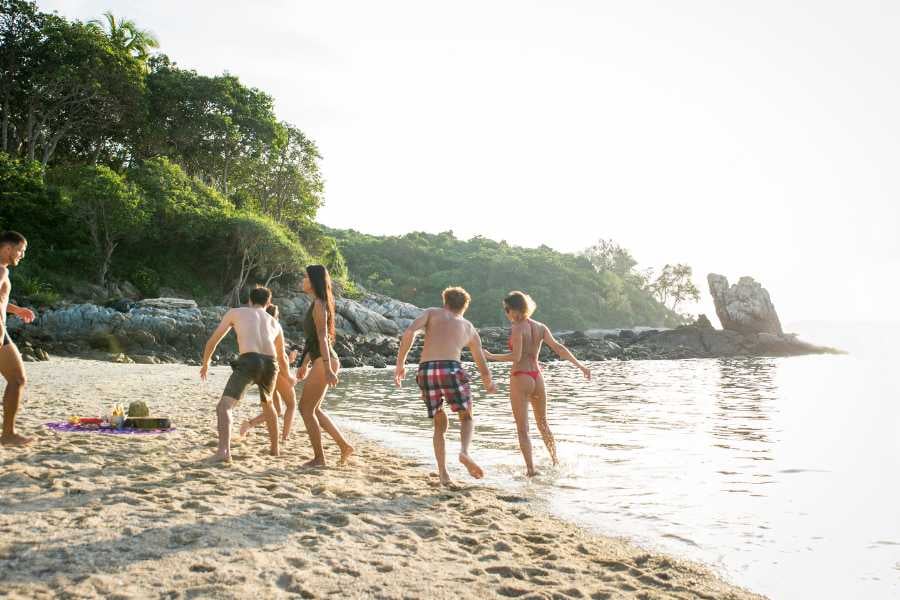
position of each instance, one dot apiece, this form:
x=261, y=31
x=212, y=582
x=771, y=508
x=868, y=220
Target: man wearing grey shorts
x=261, y=344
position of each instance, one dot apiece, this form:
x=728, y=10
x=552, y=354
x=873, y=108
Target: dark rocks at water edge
x=167, y=330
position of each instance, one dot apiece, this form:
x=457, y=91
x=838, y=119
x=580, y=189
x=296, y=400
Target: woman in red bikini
x=526, y=383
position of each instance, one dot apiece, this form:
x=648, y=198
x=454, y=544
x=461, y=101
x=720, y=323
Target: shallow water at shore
x=778, y=472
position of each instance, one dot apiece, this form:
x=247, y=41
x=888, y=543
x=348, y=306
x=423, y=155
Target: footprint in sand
x=505, y=571
x=342, y=570
x=511, y=592
x=338, y=519
x=512, y=499
x=289, y=583
x=201, y=568
x=297, y=563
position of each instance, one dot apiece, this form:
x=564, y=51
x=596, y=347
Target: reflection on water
x=779, y=472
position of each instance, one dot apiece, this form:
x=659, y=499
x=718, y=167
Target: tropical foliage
x=569, y=290
x=132, y=168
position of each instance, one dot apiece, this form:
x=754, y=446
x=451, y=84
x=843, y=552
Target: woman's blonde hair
x=521, y=302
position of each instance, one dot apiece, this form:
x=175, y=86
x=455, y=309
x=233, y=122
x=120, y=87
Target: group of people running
x=265, y=362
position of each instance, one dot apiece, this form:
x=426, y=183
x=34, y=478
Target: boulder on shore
x=744, y=307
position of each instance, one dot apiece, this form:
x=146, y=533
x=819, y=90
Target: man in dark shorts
x=12, y=250
x=261, y=344
x=441, y=376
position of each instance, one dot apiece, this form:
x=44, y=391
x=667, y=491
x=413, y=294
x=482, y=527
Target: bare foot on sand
x=346, y=453
x=217, y=459
x=474, y=470
x=15, y=440
x=246, y=426
x=314, y=463
x=445, y=479
x=530, y=473
x=276, y=453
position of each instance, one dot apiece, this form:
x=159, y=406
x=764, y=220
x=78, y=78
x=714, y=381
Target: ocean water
x=782, y=474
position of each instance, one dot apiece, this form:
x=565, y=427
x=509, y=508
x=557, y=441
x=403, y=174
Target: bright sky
x=742, y=138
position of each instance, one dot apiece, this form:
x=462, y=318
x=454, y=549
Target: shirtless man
x=261, y=344
x=441, y=376
x=12, y=250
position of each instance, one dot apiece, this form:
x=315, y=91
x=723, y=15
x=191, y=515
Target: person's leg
x=268, y=410
x=276, y=400
x=13, y=370
x=223, y=421
x=249, y=424
x=289, y=396
x=466, y=428
x=335, y=433
x=313, y=392
x=440, y=451
x=539, y=405
x=519, y=391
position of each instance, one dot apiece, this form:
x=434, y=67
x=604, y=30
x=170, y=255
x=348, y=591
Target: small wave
x=685, y=540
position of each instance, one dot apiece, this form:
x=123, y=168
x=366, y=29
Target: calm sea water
x=780, y=473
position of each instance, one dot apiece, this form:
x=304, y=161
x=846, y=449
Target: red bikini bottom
x=532, y=374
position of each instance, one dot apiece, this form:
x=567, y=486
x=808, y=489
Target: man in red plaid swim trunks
x=441, y=376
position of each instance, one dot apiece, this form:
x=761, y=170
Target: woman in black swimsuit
x=320, y=365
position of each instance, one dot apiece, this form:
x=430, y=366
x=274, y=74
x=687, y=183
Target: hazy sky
x=742, y=138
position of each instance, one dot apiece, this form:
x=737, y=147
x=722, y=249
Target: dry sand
x=85, y=516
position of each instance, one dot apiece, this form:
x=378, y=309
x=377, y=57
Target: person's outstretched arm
x=406, y=342
x=564, y=352
x=26, y=314
x=223, y=328
x=478, y=355
x=516, y=341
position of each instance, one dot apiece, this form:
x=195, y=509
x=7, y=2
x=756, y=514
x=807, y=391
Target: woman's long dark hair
x=321, y=284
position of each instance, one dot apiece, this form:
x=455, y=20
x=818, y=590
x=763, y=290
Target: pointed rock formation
x=744, y=307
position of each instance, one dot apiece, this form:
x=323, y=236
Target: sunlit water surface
x=780, y=473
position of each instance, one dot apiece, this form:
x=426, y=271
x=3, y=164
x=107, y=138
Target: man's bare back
x=446, y=334
x=256, y=329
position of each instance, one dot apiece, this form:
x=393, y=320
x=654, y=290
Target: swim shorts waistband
x=268, y=357
x=440, y=363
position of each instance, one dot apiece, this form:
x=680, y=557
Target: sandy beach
x=88, y=515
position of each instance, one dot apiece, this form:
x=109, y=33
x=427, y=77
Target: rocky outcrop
x=744, y=307
x=162, y=330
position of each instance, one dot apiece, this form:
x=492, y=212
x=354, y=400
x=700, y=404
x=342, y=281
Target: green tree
x=674, y=285
x=76, y=85
x=284, y=181
x=20, y=32
x=111, y=208
x=206, y=124
x=127, y=36
x=607, y=255
x=257, y=245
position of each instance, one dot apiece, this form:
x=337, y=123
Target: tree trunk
x=29, y=135
x=225, y=179
x=5, y=126
x=50, y=148
x=106, y=261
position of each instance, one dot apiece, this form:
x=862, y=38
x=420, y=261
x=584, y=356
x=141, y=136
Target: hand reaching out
x=26, y=314
x=399, y=374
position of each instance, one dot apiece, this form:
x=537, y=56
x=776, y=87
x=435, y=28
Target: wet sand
x=90, y=516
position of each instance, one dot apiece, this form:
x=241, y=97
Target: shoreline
x=94, y=516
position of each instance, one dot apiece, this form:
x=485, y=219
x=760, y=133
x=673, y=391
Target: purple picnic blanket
x=69, y=428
